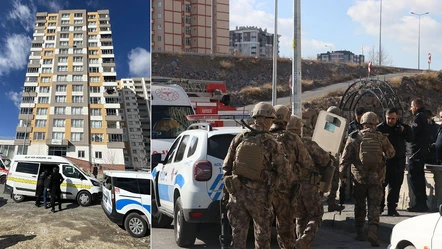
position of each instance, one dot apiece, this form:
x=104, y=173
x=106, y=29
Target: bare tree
x=373, y=56
x=141, y=162
x=109, y=157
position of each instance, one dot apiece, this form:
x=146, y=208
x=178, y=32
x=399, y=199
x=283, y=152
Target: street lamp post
x=275, y=57
x=26, y=126
x=380, y=33
x=419, y=38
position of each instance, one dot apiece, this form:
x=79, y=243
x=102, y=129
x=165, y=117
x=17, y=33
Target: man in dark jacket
x=95, y=171
x=40, y=186
x=397, y=134
x=56, y=180
x=438, y=146
x=418, y=155
x=355, y=125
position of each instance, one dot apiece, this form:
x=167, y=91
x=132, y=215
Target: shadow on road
x=3, y=201
x=13, y=239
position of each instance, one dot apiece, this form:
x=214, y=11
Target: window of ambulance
x=72, y=172
x=27, y=168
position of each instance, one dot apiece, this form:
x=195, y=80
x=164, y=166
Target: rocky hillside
x=249, y=79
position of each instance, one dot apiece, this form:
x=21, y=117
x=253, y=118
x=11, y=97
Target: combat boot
x=333, y=206
x=360, y=234
x=373, y=237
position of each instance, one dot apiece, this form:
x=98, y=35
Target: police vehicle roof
x=127, y=174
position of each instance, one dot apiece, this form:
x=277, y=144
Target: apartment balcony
x=23, y=129
x=114, y=130
x=57, y=142
x=115, y=145
x=114, y=118
x=29, y=116
x=18, y=141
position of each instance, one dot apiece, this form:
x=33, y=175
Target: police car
x=126, y=200
x=187, y=184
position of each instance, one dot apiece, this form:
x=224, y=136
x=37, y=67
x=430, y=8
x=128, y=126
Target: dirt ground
x=23, y=225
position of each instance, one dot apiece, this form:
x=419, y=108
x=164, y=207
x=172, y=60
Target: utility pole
x=26, y=125
x=275, y=57
x=380, y=34
x=296, y=60
x=419, y=39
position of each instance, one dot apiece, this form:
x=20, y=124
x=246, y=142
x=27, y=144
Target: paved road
x=327, y=238
x=309, y=95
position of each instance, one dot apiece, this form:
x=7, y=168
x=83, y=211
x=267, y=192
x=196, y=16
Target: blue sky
x=351, y=24
x=130, y=22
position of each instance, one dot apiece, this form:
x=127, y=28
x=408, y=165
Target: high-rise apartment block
x=252, y=41
x=70, y=104
x=195, y=26
x=135, y=94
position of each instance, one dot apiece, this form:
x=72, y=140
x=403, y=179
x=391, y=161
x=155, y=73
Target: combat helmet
x=369, y=118
x=263, y=109
x=282, y=114
x=335, y=110
x=294, y=123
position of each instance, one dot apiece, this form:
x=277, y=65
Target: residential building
x=70, y=105
x=135, y=93
x=7, y=148
x=194, y=26
x=341, y=56
x=251, y=41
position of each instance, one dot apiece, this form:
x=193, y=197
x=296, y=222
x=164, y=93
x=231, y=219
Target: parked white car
x=424, y=231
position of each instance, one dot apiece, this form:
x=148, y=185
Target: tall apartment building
x=70, y=106
x=251, y=41
x=135, y=94
x=195, y=26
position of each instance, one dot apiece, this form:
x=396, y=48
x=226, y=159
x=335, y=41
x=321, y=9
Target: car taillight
x=113, y=195
x=202, y=171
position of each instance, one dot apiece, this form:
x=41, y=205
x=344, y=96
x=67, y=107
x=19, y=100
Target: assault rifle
x=225, y=238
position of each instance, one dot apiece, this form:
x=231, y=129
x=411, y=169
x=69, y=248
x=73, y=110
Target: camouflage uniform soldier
x=283, y=202
x=254, y=166
x=366, y=150
x=331, y=199
x=308, y=206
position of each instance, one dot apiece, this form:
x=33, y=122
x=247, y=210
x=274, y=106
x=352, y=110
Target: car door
x=25, y=178
x=437, y=235
x=74, y=181
x=106, y=201
x=165, y=185
x=144, y=185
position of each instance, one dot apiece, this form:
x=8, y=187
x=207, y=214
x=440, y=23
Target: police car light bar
x=217, y=117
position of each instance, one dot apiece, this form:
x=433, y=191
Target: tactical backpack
x=370, y=149
x=249, y=157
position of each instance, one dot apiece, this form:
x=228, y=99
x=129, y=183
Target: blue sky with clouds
x=351, y=24
x=130, y=22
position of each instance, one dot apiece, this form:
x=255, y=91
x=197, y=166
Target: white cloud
x=15, y=97
x=92, y=3
x=24, y=13
x=54, y=5
x=14, y=54
x=398, y=24
x=139, y=62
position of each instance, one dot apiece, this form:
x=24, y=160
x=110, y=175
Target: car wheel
x=17, y=198
x=410, y=247
x=159, y=219
x=84, y=198
x=135, y=225
x=2, y=179
x=185, y=232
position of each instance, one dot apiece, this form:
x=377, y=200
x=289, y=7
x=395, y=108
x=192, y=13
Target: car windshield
x=219, y=144
x=169, y=121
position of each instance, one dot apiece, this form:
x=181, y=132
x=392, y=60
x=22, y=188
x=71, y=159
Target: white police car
x=424, y=231
x=187, y=184
x=126, y=200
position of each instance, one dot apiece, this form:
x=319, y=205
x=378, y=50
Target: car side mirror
x=156, y=159
x=440, y=209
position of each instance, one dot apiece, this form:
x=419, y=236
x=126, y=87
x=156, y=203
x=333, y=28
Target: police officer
x=355, y=125
x=40, y=187
x=254, y=167
x=418, y=155
x=365, y=151
x=283, y=202
x=331, y=199
x=397, y=133
x=308, y=206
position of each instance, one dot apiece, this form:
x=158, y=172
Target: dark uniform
x=40, y=187
x=396, y=165
x=418, y=155
x=56, y=180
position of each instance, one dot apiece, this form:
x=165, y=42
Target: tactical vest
x=370, y=149
x=280, y=137
x=250, y=161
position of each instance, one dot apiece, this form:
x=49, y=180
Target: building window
x=49, y=53
x=59, y=123
x=77, y=88
x=63, y=51
x=94, y=89
x=94, y=70
x=98, y=154
x=58, y=135
x=62, y=59
x=115, y=138
x=97, y=137
x=51, y=18
x=50, y=38
x=77, y=78
x=40, y=123
x=159, y=15
x=159, y=26
x=65, y=15
x=96, y=124
x=77, y=110
x=61, y=78
x=76, y=136
x=60, y=99
x=60, y=110
x=47, y=61
x=43, y=100
x=81, y=154
x=78, y=28
x=95, y=112
x=92, y=30
x=78, y=68
x=78, y=43
x=22, y=135
x=64, y=43
x=159, y=5
x=50, y=45
x=45, y=80
x=64, y=36
x=50, y=31
x=78, y=21
x=42, y=111
x=60, y=88
x=92, y=44
x=57, y=151
x=46, y=70
x=39, y=135
x=77, y=123
x=94, y=61
x=159, y=38
x=78, y=59
x=64, y=29
x=62, y=68
x=77, y=99
x=93, y=52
